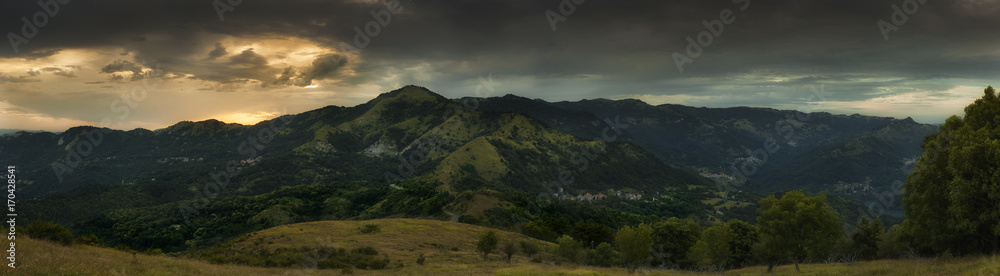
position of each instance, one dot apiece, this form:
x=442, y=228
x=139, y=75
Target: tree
x=508, y=249
x=767, y=252
x=798, y=225
x=712, y=249
x=568, y=248
x=956, y=179
x=529, y=248
x=673, y=238
x=866, y=237
x=744, y=236
x=894, y=243
x=727, y=245
x=487, y=243
x=634, y=244
x=591, y=234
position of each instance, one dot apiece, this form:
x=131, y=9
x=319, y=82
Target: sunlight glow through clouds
x=246, y=118
x=923, y=106
x=10, y=117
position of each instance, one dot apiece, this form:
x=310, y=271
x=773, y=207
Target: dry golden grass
x=403, y=240
x=37, y=257
x=989, y=265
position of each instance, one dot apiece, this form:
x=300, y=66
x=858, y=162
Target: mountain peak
x=201, y=126
x=412, y=92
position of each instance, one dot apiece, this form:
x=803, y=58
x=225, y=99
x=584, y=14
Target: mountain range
x=503, y=162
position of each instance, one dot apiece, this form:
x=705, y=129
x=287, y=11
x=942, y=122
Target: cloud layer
x=290, y=55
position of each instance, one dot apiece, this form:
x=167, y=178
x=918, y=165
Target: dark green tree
x=673, y=238
x=591, y=234
x=634, y=244
x=568, y=248
x=744, y=236
x=712, y=250
x=866, y=237
x=798, y=225
x=952, y=197
x=529, y=248
x=604, y=255
x=724, y=246
x=894, y=243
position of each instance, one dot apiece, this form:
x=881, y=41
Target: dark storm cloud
x=323, y=67
x=602, y=49
x=121, y=66
x=217, y=52
x=33, y=55
x=248, y=58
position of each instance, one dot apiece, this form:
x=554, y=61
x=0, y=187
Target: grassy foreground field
x=403, y=240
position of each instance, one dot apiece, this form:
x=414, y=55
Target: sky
x=152, y=63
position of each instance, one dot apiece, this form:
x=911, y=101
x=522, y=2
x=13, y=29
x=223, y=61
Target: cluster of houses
x=250, y=161
x=854, y=187
x=592, y=197
x=716, y=175
x=750, y=159
x=181, y=159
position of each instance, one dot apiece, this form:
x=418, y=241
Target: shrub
x=367, y=250
x=153, y=252
x=87, y=240
x=604, y=255
x=467, y=219
x=47, y=230
x=370, y=229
